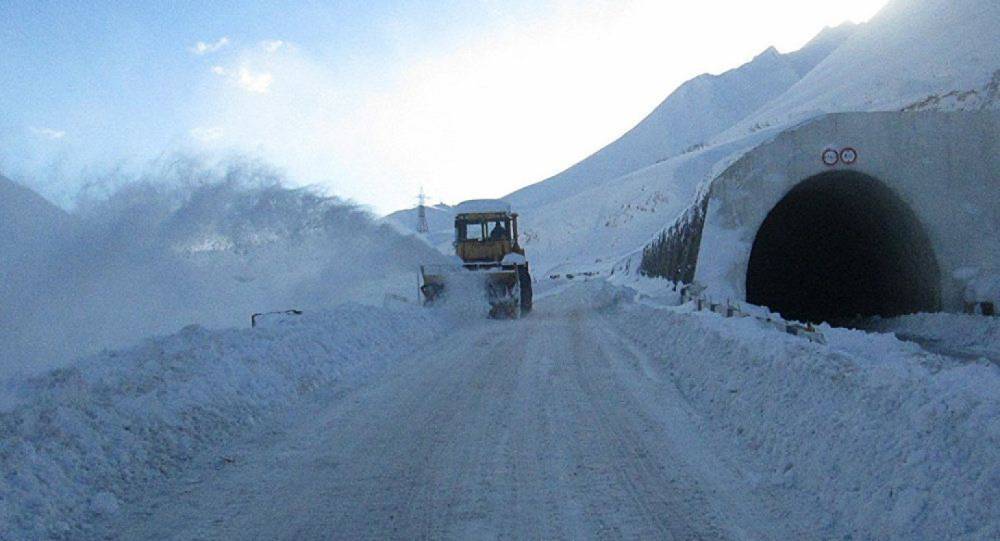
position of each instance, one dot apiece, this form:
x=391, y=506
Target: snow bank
x=86, y=438
x=866, y=438
x=961, y=332
x=650, y=290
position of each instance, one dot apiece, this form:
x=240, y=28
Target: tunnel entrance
x=842, y=245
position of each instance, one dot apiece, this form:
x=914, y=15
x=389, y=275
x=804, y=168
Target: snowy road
x=550, y=427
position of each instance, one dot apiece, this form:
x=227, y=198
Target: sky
x=366, y=100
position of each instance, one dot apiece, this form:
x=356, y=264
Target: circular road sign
x=848, y=155
x=831, y=157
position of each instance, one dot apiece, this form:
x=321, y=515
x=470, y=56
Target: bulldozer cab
x=485, y=237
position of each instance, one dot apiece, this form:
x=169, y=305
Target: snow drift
x=187, y=244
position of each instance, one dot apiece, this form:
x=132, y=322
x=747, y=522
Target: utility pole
x=422, y=226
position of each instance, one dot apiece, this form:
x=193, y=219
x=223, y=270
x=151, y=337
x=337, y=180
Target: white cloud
x=49, y=133
x=202, y=48
x=258, y=82
x=207, y=134
x=272, y=46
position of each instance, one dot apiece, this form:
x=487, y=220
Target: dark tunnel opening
x=839, y=246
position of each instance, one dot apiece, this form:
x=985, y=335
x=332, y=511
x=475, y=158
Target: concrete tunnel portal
x=845, y=215
x=839, y=245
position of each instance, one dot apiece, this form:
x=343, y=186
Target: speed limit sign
x=848, y=155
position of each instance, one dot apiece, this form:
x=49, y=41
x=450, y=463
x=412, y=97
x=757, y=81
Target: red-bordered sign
x=831, y=157
x=849, y=155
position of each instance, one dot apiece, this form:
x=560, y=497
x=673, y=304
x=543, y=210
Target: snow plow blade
x=506, y=289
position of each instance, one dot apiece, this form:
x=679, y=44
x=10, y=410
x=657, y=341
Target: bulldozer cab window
x=498, y=230
x=490, y=230
x=472, y=231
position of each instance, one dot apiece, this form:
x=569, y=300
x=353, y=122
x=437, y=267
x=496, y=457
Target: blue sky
x=369, y=100
x=91, y=83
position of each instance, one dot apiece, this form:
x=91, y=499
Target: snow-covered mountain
x=696, y=111
x=930, y=54
x=440, y=223
x=915, y=54
x=28, y=222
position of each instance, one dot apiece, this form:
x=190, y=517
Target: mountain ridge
x=689, y=116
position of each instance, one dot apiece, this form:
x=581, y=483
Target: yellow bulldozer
x=486, y=241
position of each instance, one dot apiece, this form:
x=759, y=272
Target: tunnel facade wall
x=944, y=166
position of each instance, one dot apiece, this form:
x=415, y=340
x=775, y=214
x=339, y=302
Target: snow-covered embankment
x=81, y=440
x=865, y=438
